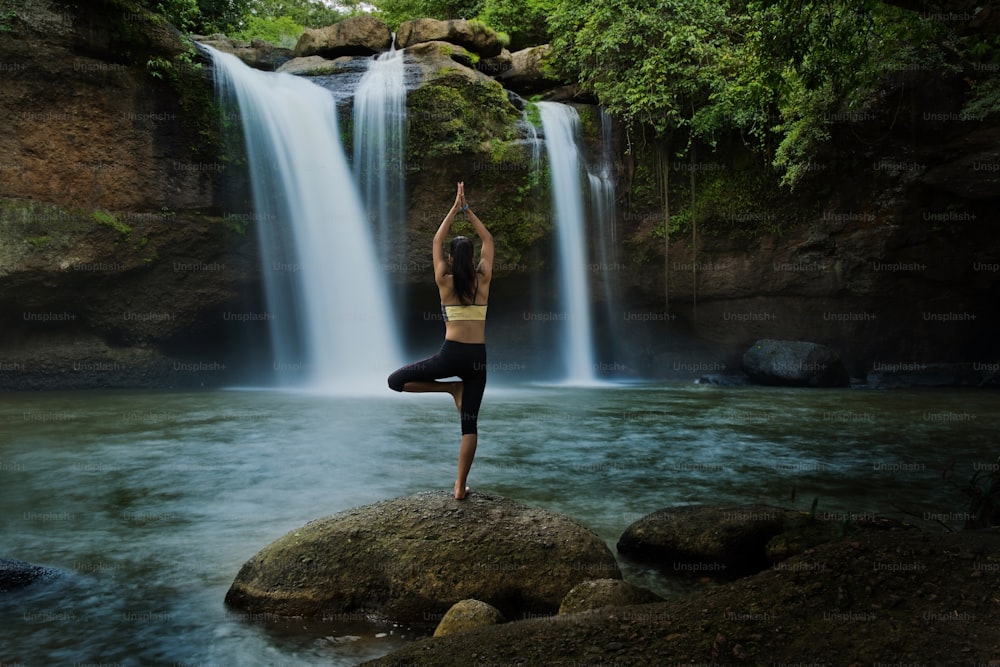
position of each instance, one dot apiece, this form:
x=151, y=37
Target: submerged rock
x=723, y=380
x=410, y=559
x=605, y=593
x=734, y=541
x=790, y=363
x=897, y=375
x=466, y=615
x=16, y=574
x=707, y=540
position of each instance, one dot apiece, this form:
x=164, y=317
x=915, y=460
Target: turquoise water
x=152, y=501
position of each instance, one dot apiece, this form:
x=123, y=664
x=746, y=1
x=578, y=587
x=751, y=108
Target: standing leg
x=466, y=452
x=474, y=383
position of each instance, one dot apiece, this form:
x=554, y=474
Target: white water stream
x=327, y=301
x=560, y=125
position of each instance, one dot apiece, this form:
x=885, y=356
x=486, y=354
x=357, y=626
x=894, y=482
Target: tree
x=395, y=12
x=524, y=20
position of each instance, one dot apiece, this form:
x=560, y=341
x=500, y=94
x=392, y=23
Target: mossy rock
x=409, y=559
x=605, y=593
x=721, y=542
x=467, y=615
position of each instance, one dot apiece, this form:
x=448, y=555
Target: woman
x=464, y=288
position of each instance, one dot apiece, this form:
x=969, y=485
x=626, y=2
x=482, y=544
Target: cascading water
x=560, y=125
x=379, y=145
x=328, y=306
x=603, y=210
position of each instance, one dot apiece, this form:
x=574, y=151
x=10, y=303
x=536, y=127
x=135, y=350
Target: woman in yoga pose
x=464, y=288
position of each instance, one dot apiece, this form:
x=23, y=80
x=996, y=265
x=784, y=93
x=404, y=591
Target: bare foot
x=460, y=495
x=457, y=388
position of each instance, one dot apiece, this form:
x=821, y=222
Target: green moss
x=590, y=123
x=112, y=221
x=455, y=116
x=519, y=189
x=534, y=115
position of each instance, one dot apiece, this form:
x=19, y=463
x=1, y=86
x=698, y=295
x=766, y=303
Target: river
x=151, y=501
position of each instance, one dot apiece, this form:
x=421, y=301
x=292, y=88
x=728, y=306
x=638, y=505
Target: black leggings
x=464, y=360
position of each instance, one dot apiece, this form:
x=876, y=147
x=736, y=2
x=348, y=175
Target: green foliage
x=245, y=17
x=650, y=62
x=813, y=62
x=778, y=72
x=221, y=15
x=985, y=100
x=305, y=13
x=159, y=67
x=526, y=21
x=281, y=31
x=395, y=12
x=185, y=15
x=8, y=14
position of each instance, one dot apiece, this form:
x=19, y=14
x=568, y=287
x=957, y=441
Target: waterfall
x=560, y=125
x=328, y=306
x=602, y=206
x=379, y=155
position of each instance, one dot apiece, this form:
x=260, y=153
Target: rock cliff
x=121, y=250
x=128, y=239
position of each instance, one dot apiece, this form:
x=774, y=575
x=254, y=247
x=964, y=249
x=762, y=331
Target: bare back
x=465, y=331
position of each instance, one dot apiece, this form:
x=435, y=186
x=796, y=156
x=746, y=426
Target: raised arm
x=485, y=267
x=438, y=253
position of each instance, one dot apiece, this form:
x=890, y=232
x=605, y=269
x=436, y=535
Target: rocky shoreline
x=505, y=583
x=906, y=597
x=778, y=586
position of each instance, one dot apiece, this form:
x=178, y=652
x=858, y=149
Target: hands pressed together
x=460, y=203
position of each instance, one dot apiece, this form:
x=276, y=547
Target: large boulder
x=527, y=73
x=917, y=597
x=599, y=593
x=356, y=36
x=412, y=558
x=466, y=615
x=707, y=540
x=789, y=363
x=436, y=55
x=256, y=53
x=473, y=35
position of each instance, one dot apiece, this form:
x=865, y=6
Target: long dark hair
x=463, y=272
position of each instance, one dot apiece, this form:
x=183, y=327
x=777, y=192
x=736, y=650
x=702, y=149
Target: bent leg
x=452, y=387
x=422, y=375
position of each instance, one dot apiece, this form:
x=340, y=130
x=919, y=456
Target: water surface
x=152, y=501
